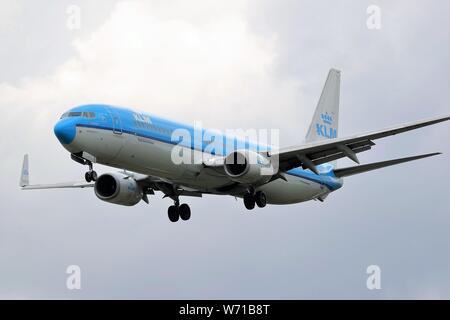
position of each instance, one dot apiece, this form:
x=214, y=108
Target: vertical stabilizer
x=325, y=121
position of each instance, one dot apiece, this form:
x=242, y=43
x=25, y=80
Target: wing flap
x=339, y=155
x=324, y=156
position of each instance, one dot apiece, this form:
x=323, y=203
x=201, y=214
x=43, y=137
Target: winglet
x=25, y=174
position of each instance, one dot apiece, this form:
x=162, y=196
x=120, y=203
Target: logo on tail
x=325, y=128
x=325, y=122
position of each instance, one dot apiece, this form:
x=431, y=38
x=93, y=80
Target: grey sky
x=250, y=64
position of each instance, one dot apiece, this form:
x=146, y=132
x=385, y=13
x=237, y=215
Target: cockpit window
x=89, y=115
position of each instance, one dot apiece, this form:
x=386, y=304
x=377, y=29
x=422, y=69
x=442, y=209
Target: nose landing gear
x=91, y=175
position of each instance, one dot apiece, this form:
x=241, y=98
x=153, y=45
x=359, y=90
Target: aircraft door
x=117, y=123
x=113, y=143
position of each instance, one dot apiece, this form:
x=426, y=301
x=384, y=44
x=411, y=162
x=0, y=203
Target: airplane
x=141, y=145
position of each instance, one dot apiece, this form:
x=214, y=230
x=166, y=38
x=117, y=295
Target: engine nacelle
x=118, y=188
x=248, y=167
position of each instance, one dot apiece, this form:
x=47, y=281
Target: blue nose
x=65, y=131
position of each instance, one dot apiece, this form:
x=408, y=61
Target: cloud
x=167, y=64
x=241, y=64
x=166, y=59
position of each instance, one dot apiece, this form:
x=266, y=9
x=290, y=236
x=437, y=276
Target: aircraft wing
x=310, y=155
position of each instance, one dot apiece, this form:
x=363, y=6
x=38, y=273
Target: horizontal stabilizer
x=344, y=172
x=25, y=180
x=65, y=185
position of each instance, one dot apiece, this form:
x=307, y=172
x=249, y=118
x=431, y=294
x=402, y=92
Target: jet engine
x=249, y=167
x=118, y=188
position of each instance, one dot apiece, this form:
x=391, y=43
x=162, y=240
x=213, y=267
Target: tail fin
x=325, y=121
x=24, y=176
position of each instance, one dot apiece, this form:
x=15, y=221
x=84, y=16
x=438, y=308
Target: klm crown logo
x=326, y=118
x=325, y=129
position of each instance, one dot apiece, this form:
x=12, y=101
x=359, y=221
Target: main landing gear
x=91, y=175
x=178, y=211
x=258, y=198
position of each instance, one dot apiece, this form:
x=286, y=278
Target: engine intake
x=249, y=167
x=118, y=189
x=236, y=164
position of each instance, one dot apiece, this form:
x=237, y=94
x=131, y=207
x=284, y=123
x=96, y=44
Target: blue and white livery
x=142, y=146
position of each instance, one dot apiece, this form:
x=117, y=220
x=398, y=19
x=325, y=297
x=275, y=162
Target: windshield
x=89, y=115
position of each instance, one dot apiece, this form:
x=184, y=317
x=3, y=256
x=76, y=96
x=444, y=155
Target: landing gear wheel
x=90, y=176
x=185, y=212
x=249, y=201
x=173, y=213
x=260, y=198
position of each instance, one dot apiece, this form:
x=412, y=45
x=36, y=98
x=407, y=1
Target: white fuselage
x=153, y=158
